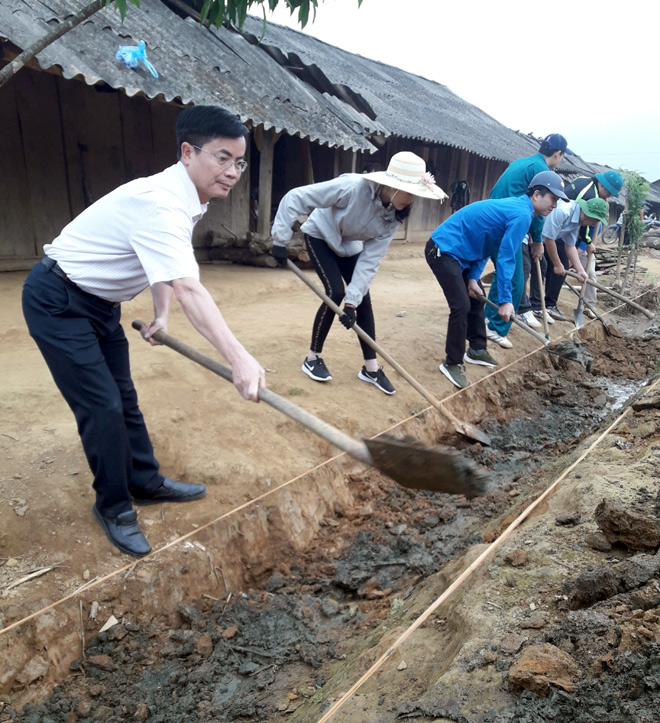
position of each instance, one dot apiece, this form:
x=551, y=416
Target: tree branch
x=10, y=70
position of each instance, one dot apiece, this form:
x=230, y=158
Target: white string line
x=468, y=572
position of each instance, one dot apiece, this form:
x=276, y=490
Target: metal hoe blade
x=415, y=466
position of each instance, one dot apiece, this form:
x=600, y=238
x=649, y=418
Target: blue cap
x=552, y=143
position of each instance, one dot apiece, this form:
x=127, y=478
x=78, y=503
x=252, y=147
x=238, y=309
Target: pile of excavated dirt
x=561, y=624
x=278, y=648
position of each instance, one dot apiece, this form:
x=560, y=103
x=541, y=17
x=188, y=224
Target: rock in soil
x=542, y=666
x=623, y=526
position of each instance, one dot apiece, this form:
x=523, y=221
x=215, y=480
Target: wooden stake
x=82, y=630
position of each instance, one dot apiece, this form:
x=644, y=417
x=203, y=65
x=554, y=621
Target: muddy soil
x=299, y=634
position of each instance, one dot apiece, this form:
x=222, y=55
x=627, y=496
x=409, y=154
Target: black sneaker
x=378, y=379
x=316, y=370
x=538, y=313
x=554, y=313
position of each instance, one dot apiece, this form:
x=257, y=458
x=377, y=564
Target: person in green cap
x=602, y=185
x=560, y=235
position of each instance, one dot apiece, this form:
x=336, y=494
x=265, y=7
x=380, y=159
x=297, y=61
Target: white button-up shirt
x=563, y=223
x=135, y=236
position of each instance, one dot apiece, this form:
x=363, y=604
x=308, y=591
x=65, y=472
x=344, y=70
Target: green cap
x=596, y=208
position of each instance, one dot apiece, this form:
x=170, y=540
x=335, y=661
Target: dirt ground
x=202, y=431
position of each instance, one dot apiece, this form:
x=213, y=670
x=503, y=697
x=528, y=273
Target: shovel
x=464, y=428
x=571, y=350
x=578, y=318
x=615, y=294
x=584, y=302
x=409, y=464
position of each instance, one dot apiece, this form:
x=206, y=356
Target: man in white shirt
x=138, y=235
x=560, y=235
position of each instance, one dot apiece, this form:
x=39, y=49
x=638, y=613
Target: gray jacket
x=348, y=214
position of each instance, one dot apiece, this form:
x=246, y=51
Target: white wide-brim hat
x=407, y=172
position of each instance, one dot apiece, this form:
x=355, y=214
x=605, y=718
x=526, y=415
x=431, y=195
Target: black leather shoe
x=124, y=533
x=169, y=491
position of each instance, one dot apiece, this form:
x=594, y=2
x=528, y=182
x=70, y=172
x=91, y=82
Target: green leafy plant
x=121, y=5
x=235, y=11
x=632, y=228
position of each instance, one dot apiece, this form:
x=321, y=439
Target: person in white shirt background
x=137, y=236
x=560, y=236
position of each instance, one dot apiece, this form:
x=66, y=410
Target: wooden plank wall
x=65, y=144
x=16, y=229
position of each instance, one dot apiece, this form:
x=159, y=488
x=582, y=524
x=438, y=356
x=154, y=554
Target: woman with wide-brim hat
x=352, y=221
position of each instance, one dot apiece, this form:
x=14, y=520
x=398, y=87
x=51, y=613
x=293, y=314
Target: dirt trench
x=295, y=629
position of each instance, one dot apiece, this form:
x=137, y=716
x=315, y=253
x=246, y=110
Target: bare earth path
x=203, y=431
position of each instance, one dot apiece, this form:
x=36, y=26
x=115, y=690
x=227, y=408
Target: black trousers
x=533, y=300
x=553, y=281
x=86, y=351
x=466, y=315
x=333, y=270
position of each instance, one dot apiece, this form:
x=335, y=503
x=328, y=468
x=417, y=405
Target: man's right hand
x=537, y=251
x=559, y=269
x=249, y=376
x=506, y=311
x=148, y=330
x=474, y=290
x=280, y=255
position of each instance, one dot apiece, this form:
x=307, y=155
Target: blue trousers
x=86, y=350
x=495, y=321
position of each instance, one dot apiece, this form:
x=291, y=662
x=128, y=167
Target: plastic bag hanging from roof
x=129, y=55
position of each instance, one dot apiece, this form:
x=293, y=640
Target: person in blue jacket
x=457, y=253
x=514, y=182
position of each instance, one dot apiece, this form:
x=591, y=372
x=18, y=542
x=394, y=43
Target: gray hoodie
x=348, y=214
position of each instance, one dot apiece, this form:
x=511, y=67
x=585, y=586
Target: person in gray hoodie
x=352, y=221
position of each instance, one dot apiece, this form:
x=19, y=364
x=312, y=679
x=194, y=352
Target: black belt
x=52, y=265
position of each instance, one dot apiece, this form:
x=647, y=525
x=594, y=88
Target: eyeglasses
x=224, y=162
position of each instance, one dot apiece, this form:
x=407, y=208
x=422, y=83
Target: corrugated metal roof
x=408, y=105
x=195, y=65
x=346, y=97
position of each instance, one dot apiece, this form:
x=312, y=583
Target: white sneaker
x=529, y=319
x=503, y=341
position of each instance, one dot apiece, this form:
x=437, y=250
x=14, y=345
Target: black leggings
x=333, y=270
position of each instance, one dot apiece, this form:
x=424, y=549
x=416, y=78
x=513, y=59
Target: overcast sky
x=588, y=70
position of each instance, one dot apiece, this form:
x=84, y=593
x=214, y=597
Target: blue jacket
x=514, y=182
x=474, y=233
